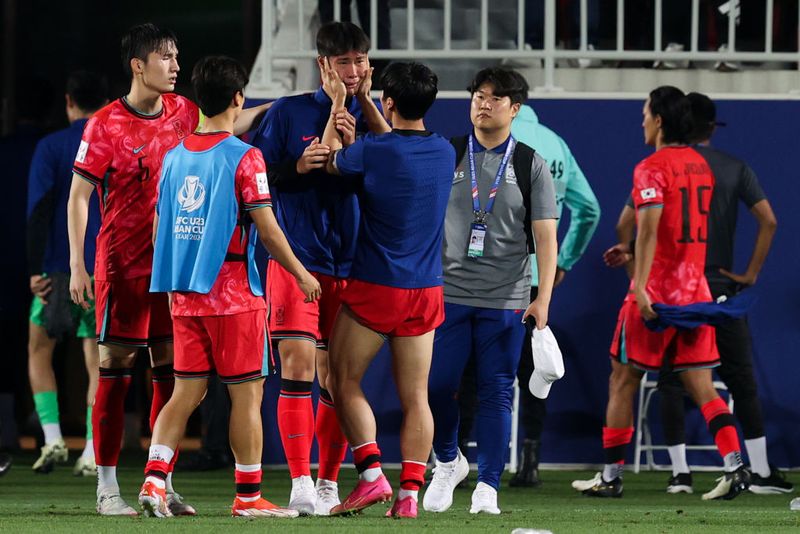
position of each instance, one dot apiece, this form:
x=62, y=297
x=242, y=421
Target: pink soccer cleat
x=406, y=507
x=365, y=494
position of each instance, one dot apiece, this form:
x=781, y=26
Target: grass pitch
x=61, y=503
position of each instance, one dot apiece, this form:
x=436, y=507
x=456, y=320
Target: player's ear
x=137, y=65
x=320, y=62
x=515, y=109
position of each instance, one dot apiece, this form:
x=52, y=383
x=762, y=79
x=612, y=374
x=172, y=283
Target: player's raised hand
x=538, y=310
x=346, y=125
x=315, y=156
x=365, y=86
x=332, y=84
x=80, y=288
x=309, y=286
x=645, y=306
x=618, y=255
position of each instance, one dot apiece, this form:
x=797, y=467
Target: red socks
x=721, y=424
x=330, y=438
x=248, y=482
x=615, y=441
x=163, y=384
x=108, y=414
x=412, y=475
x=296, y=425
x=366, y=456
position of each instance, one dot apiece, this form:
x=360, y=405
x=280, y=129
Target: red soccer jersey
x=121, y=153
x=231, y=292
x=679, y=180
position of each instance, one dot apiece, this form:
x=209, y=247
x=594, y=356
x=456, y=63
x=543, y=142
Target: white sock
x=168, y=483
x=757, y=451
x=107, y=479
x=403, y=493
x=248, y=468
x=88, y=450
x=733, y=461
x=161, y=452
x=612, y=471
x=372, y=474
x=155, y=480
x=677, y=455
x=52, y=432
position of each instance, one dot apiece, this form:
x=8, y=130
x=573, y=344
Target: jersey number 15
x=700, y=216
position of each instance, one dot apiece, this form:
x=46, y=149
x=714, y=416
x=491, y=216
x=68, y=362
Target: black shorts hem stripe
x=682, y=367
x=86, y=175
x=292, y=334
x=193, y=373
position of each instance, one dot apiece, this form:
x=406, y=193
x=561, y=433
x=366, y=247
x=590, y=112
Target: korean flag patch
x=648, y=193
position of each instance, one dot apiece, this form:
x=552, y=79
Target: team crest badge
x=192, y=195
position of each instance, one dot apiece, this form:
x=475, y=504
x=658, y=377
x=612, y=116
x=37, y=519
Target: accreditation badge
x=477, y=235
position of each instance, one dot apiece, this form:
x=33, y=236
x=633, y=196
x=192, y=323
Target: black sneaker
x=680, y=483
x=775, y=483
x=527, y=475
x=602, y=488
x=730, y=486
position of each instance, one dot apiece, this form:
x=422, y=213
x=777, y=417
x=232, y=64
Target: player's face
x=489, y=111
x=351, y=68
x=650, y=125
x=160, y=71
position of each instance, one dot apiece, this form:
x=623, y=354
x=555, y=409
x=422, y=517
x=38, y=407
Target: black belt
x=230, y=256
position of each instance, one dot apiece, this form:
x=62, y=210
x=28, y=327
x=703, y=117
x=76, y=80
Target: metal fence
x=549, y=53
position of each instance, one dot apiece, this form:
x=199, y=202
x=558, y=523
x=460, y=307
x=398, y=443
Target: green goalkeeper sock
x=46, y=404
x=88, y=423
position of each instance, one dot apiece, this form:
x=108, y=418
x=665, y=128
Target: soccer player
x=487, y=287
x=672, y=191
x=395, y=291
x=53, y=314
x=734, y=181
x=319, y=216
x=120, y=154
x=213, y=188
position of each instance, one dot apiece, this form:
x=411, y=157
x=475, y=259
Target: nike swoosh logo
x=308, y=137
x=137, y=150
x=292, y=436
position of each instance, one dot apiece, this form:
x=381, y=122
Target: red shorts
x=292, y=318
x=395, y=311
x=636, y=344
x=127, y=313
x=236, y=346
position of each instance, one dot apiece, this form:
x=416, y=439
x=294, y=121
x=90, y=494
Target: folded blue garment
x=693, y=315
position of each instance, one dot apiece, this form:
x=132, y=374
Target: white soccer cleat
x=484, y=499
x=583, y=485
x=304, y=496
x=113, y=504
x=446, y=476
x=177, y=506
x=327, y=496
x=53, y=453
x=795, y=504
x=85, y=467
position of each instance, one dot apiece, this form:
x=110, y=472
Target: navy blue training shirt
x=407, y=177
x=49, y=181
x=318, y=213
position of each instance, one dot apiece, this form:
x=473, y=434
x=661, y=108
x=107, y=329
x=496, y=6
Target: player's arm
x=279, y=249
x=767, y=225
x=332, y=137
x=621, y=254
x=649, y=217
x=544, y=233
x=80, y=284
x=372, y=115
x=250, y=118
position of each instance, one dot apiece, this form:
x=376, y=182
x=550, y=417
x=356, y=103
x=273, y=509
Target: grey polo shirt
x=501, y=279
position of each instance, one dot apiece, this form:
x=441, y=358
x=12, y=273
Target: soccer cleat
x=113, y=504
x=775, y=483
x=583, y=485
x=365, y=494
x=484, y=499
x=795, y=504
x=730, y=485
x=327, y=496
x=260, y=508
x=177, y=506
x=446, y=476
x=53, y=453
x=303, y=497
x=680, y=483
x=612, y=489
x=153, y=501
x=5, y=463
x=405, y=507
x=85, y=467
x=527, y=475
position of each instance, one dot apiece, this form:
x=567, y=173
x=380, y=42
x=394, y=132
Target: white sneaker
x=722, y=488
x=85, y=467
x=795, y=504
x=177, y=506
x=669, y=64
x=112, y=504
x=583, y=485
x=446, y=476
x=53, y=453
x=725, y=66
x=327, y=496
x=303, y=497
x=484, y=499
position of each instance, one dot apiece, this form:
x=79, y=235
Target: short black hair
x=88, y=90
x=140, y=40
x=506, y=82
x=673, y=107
x=704, y=117
x=412, y=86
x=338, y=38
x=215, y=80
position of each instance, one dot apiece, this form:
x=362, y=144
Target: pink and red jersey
x=679, y=180
x=231, y=292
x=121, y=153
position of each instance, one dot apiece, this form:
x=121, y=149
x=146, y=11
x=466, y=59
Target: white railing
x=549, y=54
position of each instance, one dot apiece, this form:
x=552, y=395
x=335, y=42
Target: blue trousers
x=494, y=338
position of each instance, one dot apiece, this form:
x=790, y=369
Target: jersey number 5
x=700, y=215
